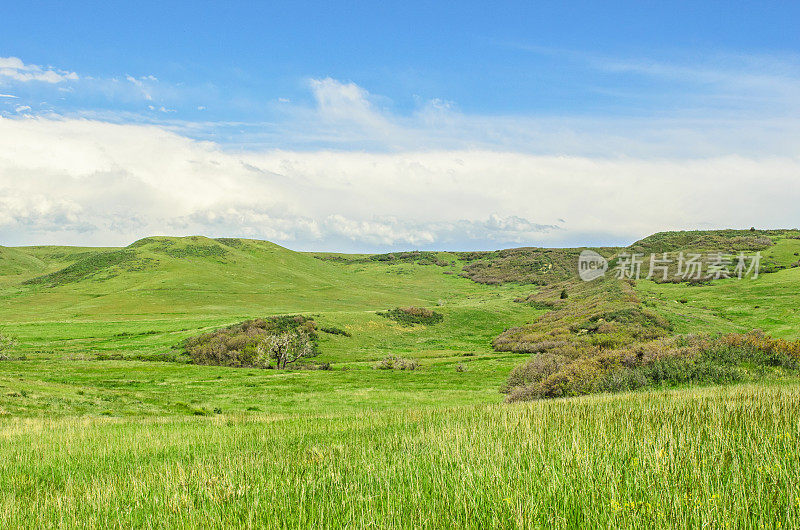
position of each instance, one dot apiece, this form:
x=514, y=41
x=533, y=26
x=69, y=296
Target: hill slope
x=165, y=275
x=71, y=307
x=186, y=443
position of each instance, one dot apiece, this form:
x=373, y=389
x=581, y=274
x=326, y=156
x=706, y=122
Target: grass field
x=712, y=458
x=82, y=340
x=99, y=428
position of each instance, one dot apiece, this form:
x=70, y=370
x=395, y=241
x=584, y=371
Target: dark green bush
x=408, y=316
x=528, y=265
x=335, y=331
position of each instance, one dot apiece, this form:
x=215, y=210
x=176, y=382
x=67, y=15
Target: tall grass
x=687, y=459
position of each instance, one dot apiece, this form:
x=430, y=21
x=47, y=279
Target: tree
x=286, y=348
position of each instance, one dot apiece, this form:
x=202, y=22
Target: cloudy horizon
x=563, y=144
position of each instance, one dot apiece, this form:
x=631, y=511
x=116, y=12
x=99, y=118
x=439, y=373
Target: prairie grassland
x=714, y=457
x=97, y=430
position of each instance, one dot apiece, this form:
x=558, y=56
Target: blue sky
x=629, y=88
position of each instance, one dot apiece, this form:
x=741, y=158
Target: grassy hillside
x=153, y=442
x=91, y=332
x=711, y=240
x=103, y=316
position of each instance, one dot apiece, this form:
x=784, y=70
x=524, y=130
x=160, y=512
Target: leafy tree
x=286, y=348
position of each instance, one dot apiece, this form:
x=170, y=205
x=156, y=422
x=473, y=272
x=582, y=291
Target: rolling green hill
x=152, y=440
x=86, y=318
x=115, y=310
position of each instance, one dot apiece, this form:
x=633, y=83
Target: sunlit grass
x=684, y=458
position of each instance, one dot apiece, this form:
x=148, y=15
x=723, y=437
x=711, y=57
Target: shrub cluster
x=408, y=316
x=568, y=371
x=335, y=331
x=93, y=265
x=604, y=313
x=529, y=265
x=421, y=258
x=416, y=256
x=241, y=345
x=708, y=240
x=231, y=242
x=393, y=362
x=195, y=251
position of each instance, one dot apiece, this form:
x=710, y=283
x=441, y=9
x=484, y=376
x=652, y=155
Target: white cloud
x=740, y=105
x=83, y=181
x=435, y=177
x=143, y=84
x=347, y=109
x=40, y=213
x=347, y=117
x=8, y=96
x=13, y=68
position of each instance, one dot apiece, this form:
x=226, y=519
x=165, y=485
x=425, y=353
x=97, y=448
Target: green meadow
x=103, y=422
x=721, y=457
x=93, y=344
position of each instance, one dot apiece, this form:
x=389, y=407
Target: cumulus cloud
x=91, y=182
x=13, y=68
x=351, y=174
x=40, y=212
x=347, y=110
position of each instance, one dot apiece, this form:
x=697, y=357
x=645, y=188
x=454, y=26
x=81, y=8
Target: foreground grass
x=686, y=458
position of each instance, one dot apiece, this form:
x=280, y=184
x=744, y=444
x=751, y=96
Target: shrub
x=393, y=362
x=528, y=265
x=284, y=348
x=254, y=343
x=687, y=359
x=335, y=331
x=543, y=304
x=538, y=368
x=408, y=316
x=605, y=313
